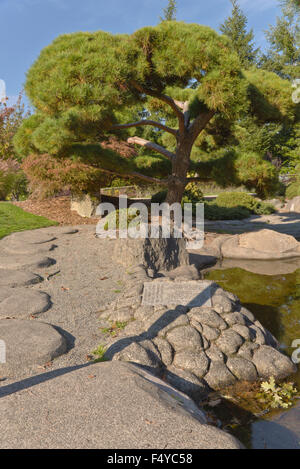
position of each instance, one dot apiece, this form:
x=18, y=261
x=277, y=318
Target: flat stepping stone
x=18, y=278
x=22, y=302
x=25, y=261
x=32, y=237
x=29, y=343
x=19, y=247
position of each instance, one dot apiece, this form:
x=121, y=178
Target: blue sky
x=26, y=26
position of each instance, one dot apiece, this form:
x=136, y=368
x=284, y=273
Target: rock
x=160, y=323
x=229, y=342
x=30, y=237
x=186, y=272
x=243, y=331
x=215, y=354
x=18, y=247
x=122, y=315
x=235, y=318
x=186, y=382
x=165, y=350
x=208, y=317
x=25, y=261
x=29, y=343
x=184, y=338
x=262, y=244
x=18, y=278
x=85, y=204
x=247, y=349
x=269, y=362
x=222, y=304
x=156, y=254
x=196, y=363
x=142, y=353
x=257, y=335
x=219, y=376
x=23, y=302
x=144, y=312
x=242, y=369
x=210, y=333
x=246, y=313
x=134, y=328
x=293, y=205
x=136, y=410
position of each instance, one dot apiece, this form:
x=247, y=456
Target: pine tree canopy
x=173, y=79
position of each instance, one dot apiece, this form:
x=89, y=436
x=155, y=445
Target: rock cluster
x=194, y=349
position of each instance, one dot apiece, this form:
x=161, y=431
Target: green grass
x=13, y=219
x=100, y=354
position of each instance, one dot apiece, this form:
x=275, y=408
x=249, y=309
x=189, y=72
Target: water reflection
x=275, y=301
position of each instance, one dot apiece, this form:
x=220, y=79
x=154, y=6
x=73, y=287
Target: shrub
x=13, y=183
x=114, y=219
x=212, y=211
x=192, y=194
x=293, y=190
x=244, y=200
x=48, y=175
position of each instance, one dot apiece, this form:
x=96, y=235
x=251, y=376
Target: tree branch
x=166, y=99
x=200, y=123
x=197, y=179
x=152, y=146
x=146, y=122
x=163, y=182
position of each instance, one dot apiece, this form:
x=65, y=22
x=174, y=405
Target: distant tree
x=235, y=27
x=175, y=78
x=11, y=117
x=283, y=54
x=170, y=11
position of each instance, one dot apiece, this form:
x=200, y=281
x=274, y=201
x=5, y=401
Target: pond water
x=275, y=301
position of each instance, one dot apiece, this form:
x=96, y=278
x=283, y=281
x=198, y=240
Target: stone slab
x=22, y=302
x=25, y=261
x=28, y=343
x=18, y=278
x=60, y=409
x=191, y=293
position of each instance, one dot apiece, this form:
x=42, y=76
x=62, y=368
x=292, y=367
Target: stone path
x=58, y=299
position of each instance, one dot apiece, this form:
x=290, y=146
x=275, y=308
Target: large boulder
x=262, y=244
x=155, y=254
x=85, y=205
x=294, y=205
x=112, y=406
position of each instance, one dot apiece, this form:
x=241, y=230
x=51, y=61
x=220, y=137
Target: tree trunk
x=180, y=167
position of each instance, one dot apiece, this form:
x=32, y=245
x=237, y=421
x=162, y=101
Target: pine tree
x=283, y=55
x=170, y=11
x=87, y=88
x=235, y=27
